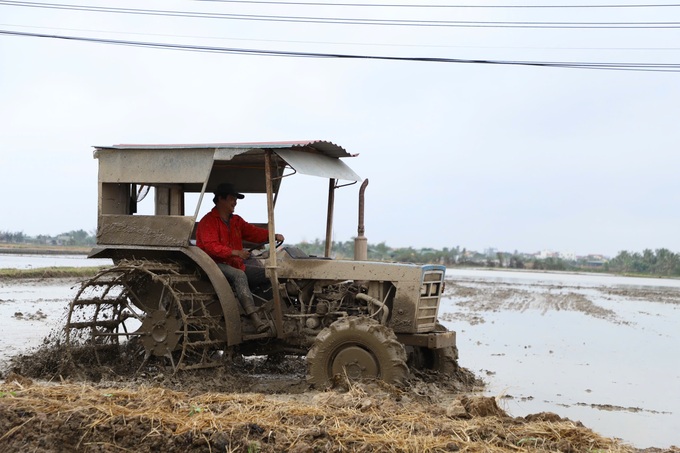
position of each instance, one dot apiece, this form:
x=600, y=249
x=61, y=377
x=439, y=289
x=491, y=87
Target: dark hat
x=227, y=189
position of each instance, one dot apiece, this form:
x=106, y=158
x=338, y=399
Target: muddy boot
x=260, y=326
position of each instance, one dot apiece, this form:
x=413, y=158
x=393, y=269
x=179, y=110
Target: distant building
x=543, y=254
x=64, y=239
x=595, y=261
x=568, y=256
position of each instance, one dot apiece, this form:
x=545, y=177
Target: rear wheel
x=356, y=348
x=167, y=309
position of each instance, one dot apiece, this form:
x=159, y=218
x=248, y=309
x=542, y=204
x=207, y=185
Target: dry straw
x=365, y=418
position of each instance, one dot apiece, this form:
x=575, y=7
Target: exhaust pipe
x=360, y=242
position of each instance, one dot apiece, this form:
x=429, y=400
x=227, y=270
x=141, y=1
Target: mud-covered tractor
x=164, y=295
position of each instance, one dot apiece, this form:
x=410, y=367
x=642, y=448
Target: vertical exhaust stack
x=360, y=242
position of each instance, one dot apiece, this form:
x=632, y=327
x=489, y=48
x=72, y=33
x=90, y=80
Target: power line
x=339, y=43
x=650, y=67
x=397, y=5
x=347, y=21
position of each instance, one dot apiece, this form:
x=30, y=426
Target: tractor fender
x=228, y=301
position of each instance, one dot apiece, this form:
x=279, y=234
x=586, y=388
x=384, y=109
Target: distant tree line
x=382, y=252
x=12, y=237
x=661, y=262
x=454, y=256
x=72, y=238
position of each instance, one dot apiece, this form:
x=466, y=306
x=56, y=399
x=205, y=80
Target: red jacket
x=217, y=239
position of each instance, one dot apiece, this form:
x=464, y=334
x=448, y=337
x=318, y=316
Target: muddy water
x=599, y=349
x=30, y=310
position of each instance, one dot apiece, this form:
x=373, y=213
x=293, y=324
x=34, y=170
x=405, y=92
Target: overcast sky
x=473, y=155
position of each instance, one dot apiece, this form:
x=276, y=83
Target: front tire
x=356, y=348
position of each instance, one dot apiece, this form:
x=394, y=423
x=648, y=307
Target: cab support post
x=329, y=219
x=273, y=277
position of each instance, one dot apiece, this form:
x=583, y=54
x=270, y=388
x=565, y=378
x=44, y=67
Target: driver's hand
x=243, y=254
x=279, y=237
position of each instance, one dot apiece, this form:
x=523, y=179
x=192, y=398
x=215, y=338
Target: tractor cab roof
x=128, y=172
x=243, y=164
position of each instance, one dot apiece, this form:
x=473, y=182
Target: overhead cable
x=338, y=43
x=350, y=21
x=655, y=67
x=399, y=5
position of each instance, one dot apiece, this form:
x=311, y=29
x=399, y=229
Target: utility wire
x=338, y=43
x=347, y=21
x=397, y=5
x=651, y=67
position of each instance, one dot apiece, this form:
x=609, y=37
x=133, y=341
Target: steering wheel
x=258, y=252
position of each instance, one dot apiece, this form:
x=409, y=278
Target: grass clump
x=49, y=272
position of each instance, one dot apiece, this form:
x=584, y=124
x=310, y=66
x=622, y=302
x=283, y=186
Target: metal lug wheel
x=158, y=304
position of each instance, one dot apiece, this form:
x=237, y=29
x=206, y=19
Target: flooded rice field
x=595, y=348
x=599, y=349
x=29, y=261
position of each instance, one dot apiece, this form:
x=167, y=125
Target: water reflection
x=618, y=374
x=20, y=261
x=558, y=278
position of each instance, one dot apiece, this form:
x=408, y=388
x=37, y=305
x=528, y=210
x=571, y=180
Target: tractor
x=349, y=317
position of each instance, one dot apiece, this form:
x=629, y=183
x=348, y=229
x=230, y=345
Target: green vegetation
x=195, y=410
x=49, y=272
x=661, y=262
x=455, y=256
x=70, y=238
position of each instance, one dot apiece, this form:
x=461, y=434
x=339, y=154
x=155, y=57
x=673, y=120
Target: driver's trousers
x=241, y=282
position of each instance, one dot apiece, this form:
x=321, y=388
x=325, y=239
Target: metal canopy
x=311, y=157
x=318, y=165
x=328, y=148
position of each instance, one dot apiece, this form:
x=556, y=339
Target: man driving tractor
x=221, y=233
